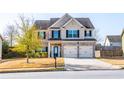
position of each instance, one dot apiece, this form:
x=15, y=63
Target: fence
x=111, y=52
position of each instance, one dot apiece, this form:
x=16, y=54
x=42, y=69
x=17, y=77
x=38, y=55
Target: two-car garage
x=85, y=51
x=70, y=51
x=78, y=51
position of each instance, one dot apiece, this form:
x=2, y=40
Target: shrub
x=44, y=54
x=37, y=55
x=12, y=53
x=17, y=52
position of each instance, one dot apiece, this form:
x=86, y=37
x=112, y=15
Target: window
x=44, y=49
x=72, y=33
x=88, y=33
x=42, y=35
x=55, y=34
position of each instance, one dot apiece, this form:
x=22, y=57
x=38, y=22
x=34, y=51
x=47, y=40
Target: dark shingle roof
x=53, y=20
x=85, y=22
x=44, y=24
x=64, y=19
x=114, y=38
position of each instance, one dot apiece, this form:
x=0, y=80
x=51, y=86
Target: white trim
x=49, y=49
x=58, y=51
x=106, y=41
x=58, y=20
x=52, y=51
x=54, y=29
x=67, y=22
x=42, y=30
x=72, y=20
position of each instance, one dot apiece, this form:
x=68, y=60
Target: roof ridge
x=58, y=22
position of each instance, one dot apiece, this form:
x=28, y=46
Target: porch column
x=78, y=50
x=48, y=49
x=62, y=50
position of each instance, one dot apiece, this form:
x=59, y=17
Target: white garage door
x=85, y=51
x=70, y=51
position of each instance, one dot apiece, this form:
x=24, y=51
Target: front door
x=55, y=51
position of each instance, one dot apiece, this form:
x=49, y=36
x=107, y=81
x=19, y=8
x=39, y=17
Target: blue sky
x=105, y=23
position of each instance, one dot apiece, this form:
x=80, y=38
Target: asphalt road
x=96, y=74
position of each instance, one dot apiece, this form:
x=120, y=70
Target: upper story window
x=42, y=35
x=56, y=34
x=88, y=33
x=72, y=33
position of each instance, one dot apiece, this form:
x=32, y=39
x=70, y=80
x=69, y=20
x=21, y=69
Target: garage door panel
x=70, y=51
x=85, y=51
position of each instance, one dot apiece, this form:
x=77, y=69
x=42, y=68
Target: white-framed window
x=72, y=33
x=88, y=33
x=56, y=34
x=42, y=35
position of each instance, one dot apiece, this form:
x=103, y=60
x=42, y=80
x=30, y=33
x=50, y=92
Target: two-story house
x=67, y=36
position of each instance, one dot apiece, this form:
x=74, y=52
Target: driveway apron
x=76, y=64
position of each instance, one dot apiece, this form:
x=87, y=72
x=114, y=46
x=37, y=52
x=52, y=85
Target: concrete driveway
x=74, y=64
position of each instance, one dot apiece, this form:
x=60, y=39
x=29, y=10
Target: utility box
x=97, y=54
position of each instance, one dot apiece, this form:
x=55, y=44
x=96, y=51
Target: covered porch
x=55, y=49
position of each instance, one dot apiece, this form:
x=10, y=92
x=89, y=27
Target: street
x=94, y=74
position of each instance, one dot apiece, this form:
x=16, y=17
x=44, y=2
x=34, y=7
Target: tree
x=28, y=39
x=5, y=48
x=97, y=36
x=11, y=34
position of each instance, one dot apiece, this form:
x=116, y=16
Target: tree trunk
x=11, y=39
x=27, y=58
x=27, y=54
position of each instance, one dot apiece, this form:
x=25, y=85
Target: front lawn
x=34, y=63
x=114, y=61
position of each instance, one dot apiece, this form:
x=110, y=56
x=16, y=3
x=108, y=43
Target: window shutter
x=46, y=49
x=85, y=33
x=90, y=33
x=66, y=33
x=44, y=35
x=78, y=33
x=52, y=34
x=59, y=33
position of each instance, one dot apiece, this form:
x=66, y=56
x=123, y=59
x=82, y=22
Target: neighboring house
x=67, y=37
x=113, y=40
x=1, y=39
x=122, y=37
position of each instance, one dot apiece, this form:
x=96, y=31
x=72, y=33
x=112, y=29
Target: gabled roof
x=53, y=20
x=114, y=38
x=59, y=22
x=85, y=22
x=42, y=24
